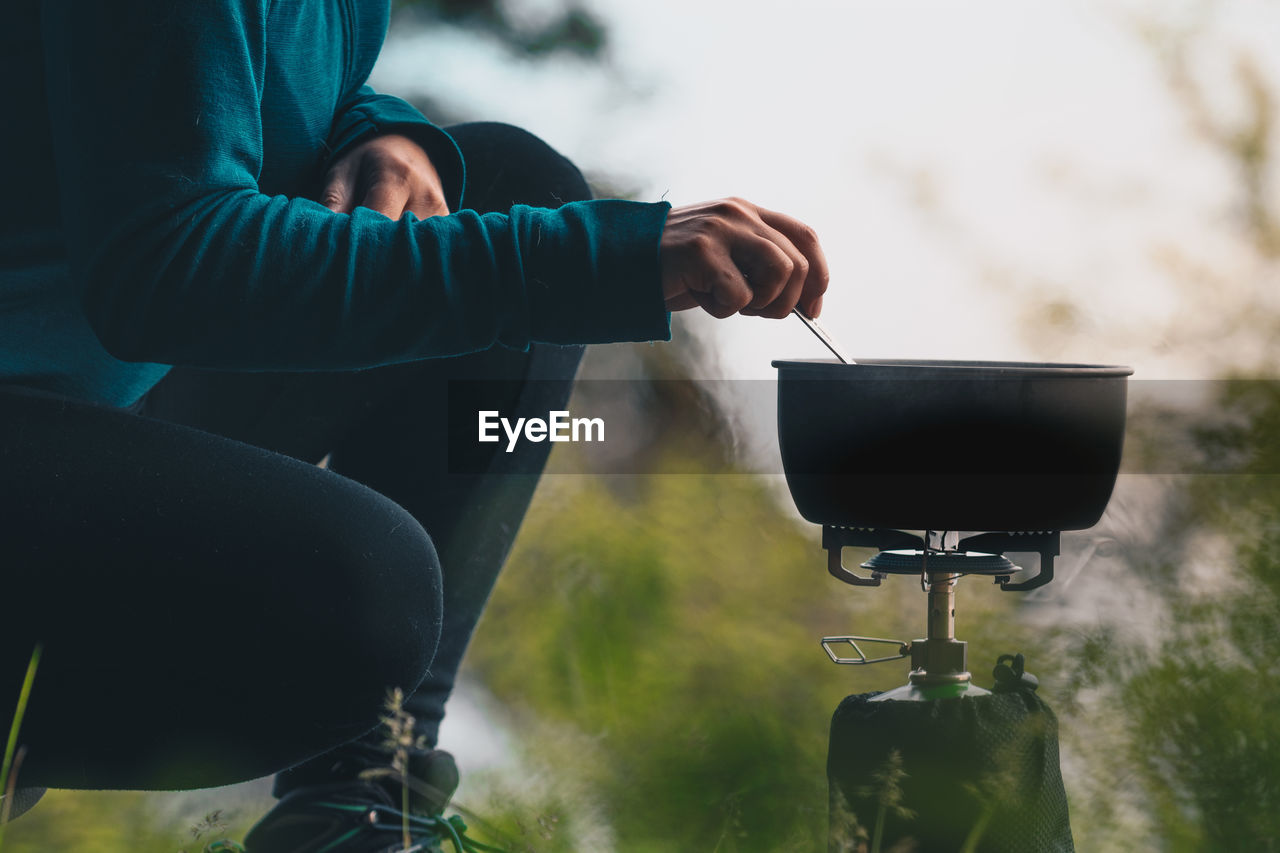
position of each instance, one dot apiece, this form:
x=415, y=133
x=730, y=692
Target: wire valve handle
x=904, y=650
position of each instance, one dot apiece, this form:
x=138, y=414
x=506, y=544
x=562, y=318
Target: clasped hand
x=726, y=256
x=730, y=256
x=390, y=174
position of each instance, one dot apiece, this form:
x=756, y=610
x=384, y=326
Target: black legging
x=213, y=606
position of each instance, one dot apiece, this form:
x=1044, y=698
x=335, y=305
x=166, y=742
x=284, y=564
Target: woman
x=227, y=259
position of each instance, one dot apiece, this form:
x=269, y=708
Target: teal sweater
x=159, y=156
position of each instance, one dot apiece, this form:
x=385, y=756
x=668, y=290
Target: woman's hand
x=730, y=256
x=390, y=174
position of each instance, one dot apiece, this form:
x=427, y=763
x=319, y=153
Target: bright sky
x=954, y=157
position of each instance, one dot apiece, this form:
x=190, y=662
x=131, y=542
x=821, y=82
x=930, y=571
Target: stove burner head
x=951, y=562
x=905, y=553
x=940, y=559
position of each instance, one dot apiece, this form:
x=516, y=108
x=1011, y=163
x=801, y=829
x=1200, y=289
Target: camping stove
x=874, y=449
x=939, y=559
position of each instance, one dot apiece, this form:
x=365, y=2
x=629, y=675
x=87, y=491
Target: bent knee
x=509, y=165
x=371, y=604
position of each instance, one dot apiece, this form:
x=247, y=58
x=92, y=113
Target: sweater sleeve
x=370, y=114
x=154, y=109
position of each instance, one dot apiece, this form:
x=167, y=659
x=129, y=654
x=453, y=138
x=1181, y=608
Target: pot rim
x=907, y=368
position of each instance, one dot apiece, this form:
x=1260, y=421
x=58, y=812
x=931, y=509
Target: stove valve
x=904, y=649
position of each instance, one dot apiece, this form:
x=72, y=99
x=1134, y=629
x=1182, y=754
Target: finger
x=388, y=197
x=787, y=269
x=428, y=195
x=716, y=284
x=805, y=239
x=339, y=189
x=709, y=303
x=728, y=291
x=765, y=263
x=428, y=204
x=707, y=273
x=681, y=302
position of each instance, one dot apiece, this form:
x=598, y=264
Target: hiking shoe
x=433, y=774
x=349, y=817
x=363, y=815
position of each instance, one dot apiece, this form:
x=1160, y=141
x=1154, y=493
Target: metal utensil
x=823, y=336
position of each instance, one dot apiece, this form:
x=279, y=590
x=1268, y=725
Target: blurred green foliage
x=124, y=822
x=1185, y=752
x=676, y=651
x=1206, y=704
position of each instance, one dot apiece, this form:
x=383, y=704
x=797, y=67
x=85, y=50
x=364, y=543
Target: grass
x=12, y=754
x=399, y=741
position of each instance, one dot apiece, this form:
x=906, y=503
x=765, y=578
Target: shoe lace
x=426, y=828
x=455, y=830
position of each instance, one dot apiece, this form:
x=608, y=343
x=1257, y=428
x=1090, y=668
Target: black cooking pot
x=951, y=445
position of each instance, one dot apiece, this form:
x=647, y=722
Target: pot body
x=951, y=445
